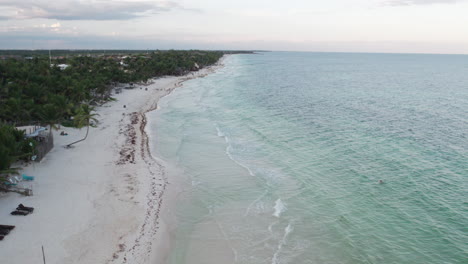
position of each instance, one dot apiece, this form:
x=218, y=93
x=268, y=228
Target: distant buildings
x=61, y=66
x=6, y=57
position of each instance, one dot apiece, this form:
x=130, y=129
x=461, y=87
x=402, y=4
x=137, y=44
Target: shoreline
x=101, y=201
x=158, y=243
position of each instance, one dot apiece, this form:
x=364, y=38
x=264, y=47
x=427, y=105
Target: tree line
x=35, y=90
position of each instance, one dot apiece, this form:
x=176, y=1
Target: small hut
x=45, y=142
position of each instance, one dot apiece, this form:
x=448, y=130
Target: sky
x=396, y=26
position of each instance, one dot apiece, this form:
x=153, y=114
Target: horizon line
x=242, y=50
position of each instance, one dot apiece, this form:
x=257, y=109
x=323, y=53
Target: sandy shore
x=101, y=201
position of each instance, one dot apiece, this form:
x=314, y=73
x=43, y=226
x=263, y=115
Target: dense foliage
x=13, y=146
x=34, y=90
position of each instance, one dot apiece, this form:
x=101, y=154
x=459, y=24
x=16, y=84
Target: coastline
x=155, y=232
x=101, y=201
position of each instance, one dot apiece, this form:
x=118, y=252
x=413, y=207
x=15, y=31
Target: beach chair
x=10, y=182
x=21, y=207
x=19, y=212
x=9, y=227
x=5, y=230
x=27, y=178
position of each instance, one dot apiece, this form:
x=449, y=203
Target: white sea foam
x=228, y=152
x=220, y=133
x=226, y=237
x=270, y=227
x=256, y=202
x=279, y=207
x=287, y=231
x=195, y=183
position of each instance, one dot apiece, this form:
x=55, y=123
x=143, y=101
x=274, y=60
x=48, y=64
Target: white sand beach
x=102, y=200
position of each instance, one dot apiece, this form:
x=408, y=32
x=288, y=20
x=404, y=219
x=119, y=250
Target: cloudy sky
x=422, y=26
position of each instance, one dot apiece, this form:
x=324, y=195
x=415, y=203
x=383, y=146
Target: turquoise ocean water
x=280, y=154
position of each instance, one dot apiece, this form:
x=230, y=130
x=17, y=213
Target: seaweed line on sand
x=143, y=244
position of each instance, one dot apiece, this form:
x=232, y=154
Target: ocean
x=289, y=157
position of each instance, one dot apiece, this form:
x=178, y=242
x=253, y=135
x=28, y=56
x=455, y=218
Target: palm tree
x=13, y=147
x=62, y=105
x=83, y=118
x=50, y=114
x=6, y=159
x=16, y=109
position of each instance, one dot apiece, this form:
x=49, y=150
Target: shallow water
x=280, y=156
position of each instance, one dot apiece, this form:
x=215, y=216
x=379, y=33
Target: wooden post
x=43, y=255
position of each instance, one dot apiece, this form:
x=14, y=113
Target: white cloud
x=419, y=2
x=85, y=9
x=329, y=25
x=42, y=28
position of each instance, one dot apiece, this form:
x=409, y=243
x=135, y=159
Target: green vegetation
x=36, y=91
x=33, y=90
x=13, y=146
x=83, y=118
